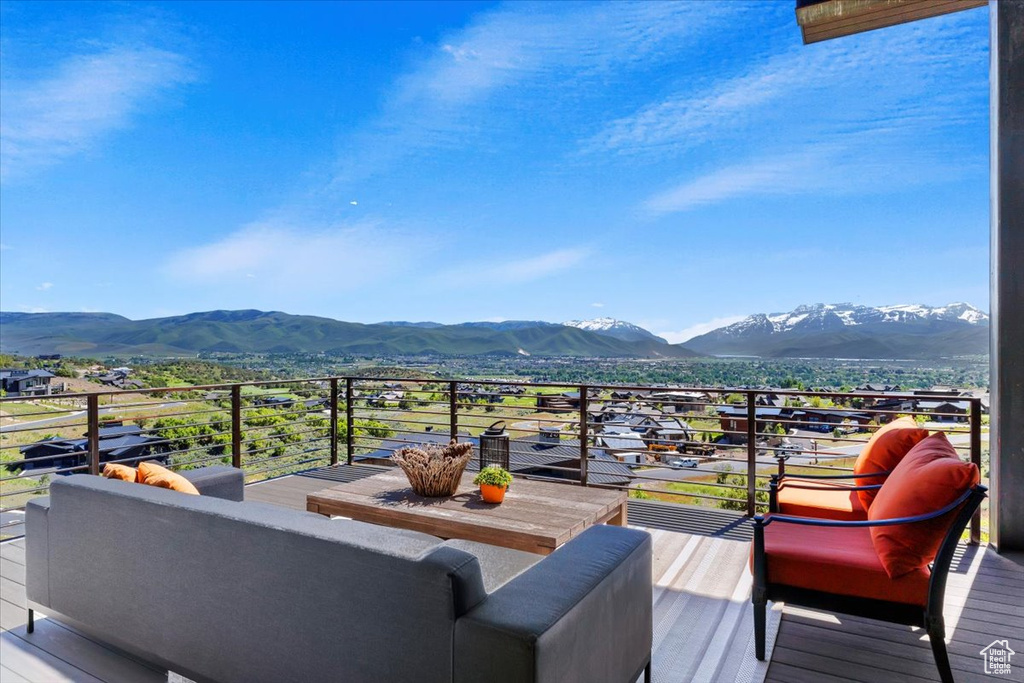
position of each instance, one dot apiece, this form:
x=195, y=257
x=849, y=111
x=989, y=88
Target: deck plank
x=36, y=664
x=105, y=663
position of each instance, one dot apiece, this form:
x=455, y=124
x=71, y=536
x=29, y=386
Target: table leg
x=620, y=518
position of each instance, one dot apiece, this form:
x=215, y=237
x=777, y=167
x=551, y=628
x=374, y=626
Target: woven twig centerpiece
x=434, y=470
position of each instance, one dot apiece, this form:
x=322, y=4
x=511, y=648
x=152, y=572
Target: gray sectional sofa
x=221, y=590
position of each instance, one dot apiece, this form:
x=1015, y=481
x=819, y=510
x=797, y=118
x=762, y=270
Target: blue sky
x=674, y=165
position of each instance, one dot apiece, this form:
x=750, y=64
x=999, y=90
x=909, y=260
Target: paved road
x=21, y=426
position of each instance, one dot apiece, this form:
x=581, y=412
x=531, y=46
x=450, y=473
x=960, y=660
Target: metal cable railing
x=696, y=445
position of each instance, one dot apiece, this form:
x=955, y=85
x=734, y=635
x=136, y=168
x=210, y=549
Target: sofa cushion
x=123, y=472
x=837, y=560
x=828, y=501
x=930, y=477
x=498, y=565
x=884, y=451
x=155, y=475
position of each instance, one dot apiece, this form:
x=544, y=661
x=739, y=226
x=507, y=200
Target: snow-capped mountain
x=619, y=329
x=851, y=331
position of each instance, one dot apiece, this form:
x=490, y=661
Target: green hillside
x=250, y=331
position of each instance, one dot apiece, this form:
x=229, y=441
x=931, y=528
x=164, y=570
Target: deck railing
x=710, y=446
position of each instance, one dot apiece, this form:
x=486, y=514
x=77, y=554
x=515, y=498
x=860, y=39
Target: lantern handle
x=492, y=429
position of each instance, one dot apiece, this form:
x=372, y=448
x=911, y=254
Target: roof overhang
x=825, y=19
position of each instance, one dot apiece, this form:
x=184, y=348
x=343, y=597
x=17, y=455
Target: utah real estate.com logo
x=997, y=658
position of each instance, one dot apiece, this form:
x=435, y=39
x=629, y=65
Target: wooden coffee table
x=536, y=516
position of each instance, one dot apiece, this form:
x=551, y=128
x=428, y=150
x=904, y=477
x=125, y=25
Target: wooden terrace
x=701, y=611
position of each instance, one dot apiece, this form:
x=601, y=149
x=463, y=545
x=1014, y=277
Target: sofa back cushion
x=251, y=592
x=929, y=478
x=113, y=470
x=883, y=452
x=153, y=474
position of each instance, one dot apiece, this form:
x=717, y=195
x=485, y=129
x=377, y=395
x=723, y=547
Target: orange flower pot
x=491, y=493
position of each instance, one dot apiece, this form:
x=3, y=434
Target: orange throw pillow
x=883, y=452
x=155, y=475
x=929, y=478
x=123, y=472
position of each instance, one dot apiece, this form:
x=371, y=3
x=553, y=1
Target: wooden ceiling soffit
x=825, y=19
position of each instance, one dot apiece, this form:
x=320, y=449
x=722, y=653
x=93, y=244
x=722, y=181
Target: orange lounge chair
x=891, y=567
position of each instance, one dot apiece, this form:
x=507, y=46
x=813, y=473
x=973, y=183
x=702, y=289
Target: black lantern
x=494, y=446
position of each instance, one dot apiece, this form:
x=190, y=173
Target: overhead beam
x=825, y=19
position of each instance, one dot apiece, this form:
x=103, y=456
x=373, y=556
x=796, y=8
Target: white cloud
x=32, y=309
x=85, y=98
x=271, y=256
x=828, y=168
x=597, y=305
x=44, y=286
x=887, y=83
x=699, y=329
x=476, y=79
x=786, y=175
x=539, y=267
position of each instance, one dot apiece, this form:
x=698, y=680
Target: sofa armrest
x=218, y=481
x=584, y=613
x=37, y=550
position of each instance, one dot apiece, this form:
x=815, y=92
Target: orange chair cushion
x=930, y=477
x=884, y=451
x=829, y=501
x=123, y=472
x=155, y=475
x=837, y=560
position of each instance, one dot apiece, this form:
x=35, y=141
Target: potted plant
x=493, y=481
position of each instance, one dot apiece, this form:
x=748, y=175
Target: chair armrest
x=218, y=481
x=761, y=521
x=825, y=486
x=866, y=475
x=584, y=613
x=37, y=550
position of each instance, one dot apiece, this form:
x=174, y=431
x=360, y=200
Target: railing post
x=93, y=421
x=350, y=422
x=236, y=426
x=334, y=420
x=453, y=409
x=751, y=453
x=976, y=459
x=584, y=436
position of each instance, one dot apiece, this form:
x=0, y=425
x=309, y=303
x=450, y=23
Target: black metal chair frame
x=929, y=617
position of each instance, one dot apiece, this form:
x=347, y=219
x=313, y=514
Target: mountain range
x=850, y=331
x=251, y=331
x=812, y=331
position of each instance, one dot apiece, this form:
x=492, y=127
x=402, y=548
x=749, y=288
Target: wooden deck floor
x=701, y=612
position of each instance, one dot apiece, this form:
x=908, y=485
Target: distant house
x=733, y=420
x=120, y=443
x=626, y=447
x=946, y=411
x=667, y=431
x=569, y=400
x=681, y=401
x=827, y=419
x=889, y=408
x=25, y=382
x=275, y=401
